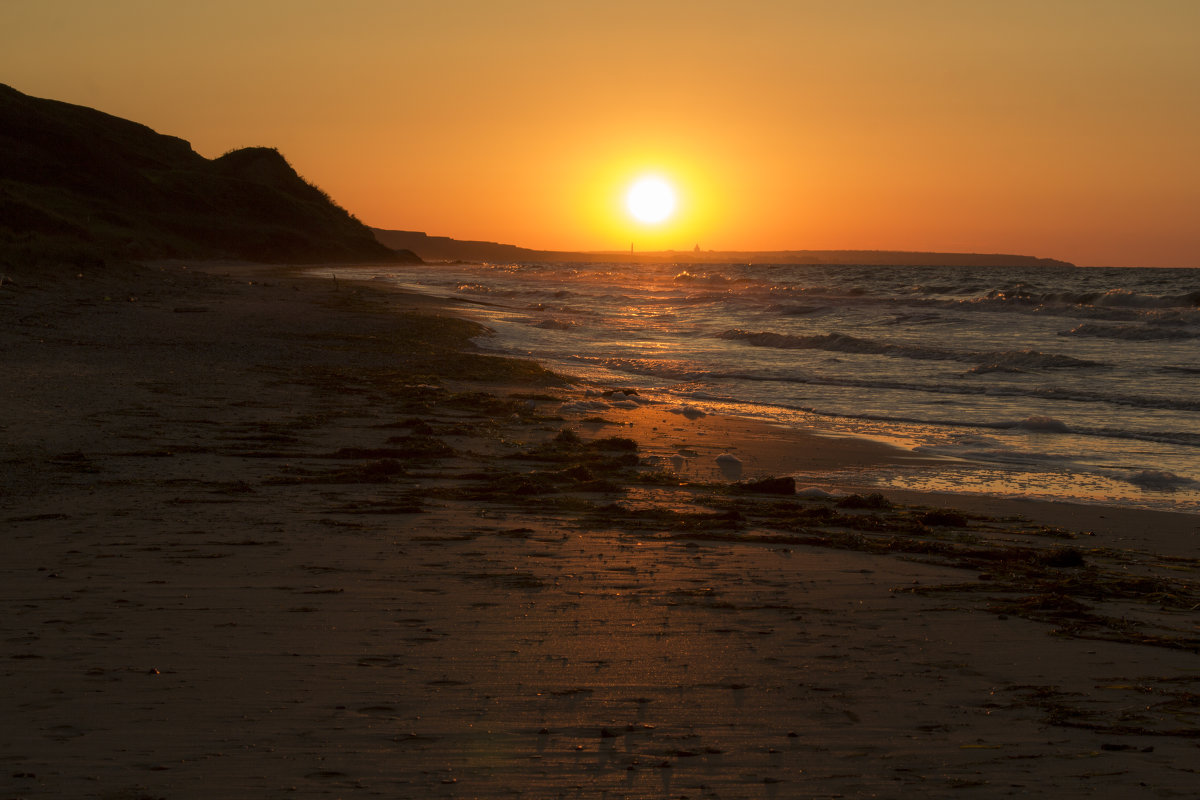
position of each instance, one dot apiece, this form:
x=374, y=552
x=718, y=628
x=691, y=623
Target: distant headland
x=79, y=187
x=442, y=248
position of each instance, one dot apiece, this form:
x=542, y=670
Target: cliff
x=79, y=187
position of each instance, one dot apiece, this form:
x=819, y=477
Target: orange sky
x=1057, y=128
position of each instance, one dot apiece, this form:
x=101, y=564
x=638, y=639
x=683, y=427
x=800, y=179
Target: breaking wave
x=1042, y=424
x=1160, y=480
x=842, y=343
x=1133, y=333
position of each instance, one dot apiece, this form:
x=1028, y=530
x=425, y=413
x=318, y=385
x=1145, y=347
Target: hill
x=79, y=186
x=442, y=248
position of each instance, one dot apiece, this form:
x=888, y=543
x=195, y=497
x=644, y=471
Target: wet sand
x=272, y=536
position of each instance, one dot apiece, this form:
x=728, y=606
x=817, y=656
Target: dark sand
x=267, y=536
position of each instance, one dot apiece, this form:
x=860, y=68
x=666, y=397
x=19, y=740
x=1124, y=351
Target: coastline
x=1026, y=407
x=270, y=534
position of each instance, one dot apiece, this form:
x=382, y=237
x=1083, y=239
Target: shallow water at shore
x=1057, y=383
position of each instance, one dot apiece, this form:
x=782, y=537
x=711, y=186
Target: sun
x=650, y=200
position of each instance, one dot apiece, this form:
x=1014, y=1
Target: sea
x=1041, y=382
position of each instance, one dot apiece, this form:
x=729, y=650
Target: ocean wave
x=556, y=325
x=1116, y=399
x=1178, y=438
x=699, y=298
x=803, y=291
x=1113, y=298
x=1114, y=303
x=918, y=318
x=1184, y=438
x=562, y=309
x=482, y=288
x=1030, y=359
x=1124, y=297
x=1160, y=480
x=995, y=454
x=715, y=279
x=1132, y=333
x=944, y=289
x=836, y=342
x=984, y=369
x=795, y=311
x=684, y=370
x=1042, y=424
x=656, y=368
x=843, y=343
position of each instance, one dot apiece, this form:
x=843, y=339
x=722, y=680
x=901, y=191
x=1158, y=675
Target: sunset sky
x=1059, y=128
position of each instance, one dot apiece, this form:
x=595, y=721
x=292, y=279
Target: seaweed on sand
x=404, y=447
x=874, y=500
x=1085, y=593
x=1146, y=707
x=612, y=454
x=376, y=471
x=507, y=487
x=418, y=446
x=1051, y=588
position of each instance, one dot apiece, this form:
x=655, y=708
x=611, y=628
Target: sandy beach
x=268, y=535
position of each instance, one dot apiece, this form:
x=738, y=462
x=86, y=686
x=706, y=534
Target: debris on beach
x=785, y=485
x=730, y=466
x=816, y=493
